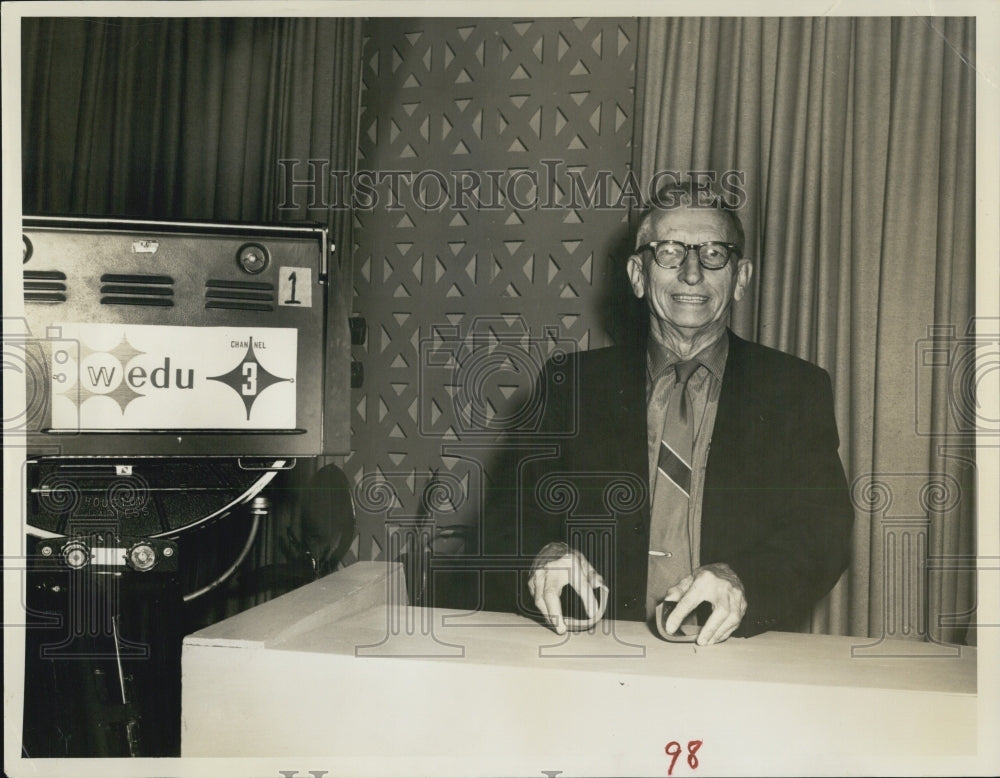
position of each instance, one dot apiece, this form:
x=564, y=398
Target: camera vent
x=138, y=289
x=44, y=286
x=239, y=295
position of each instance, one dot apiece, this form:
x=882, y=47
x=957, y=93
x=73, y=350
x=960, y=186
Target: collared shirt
x=703, y=395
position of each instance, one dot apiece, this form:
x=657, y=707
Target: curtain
x=183, y=118
x=173, y=119
x=856, y=138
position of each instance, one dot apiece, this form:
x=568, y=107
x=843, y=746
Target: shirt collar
x=659, y=358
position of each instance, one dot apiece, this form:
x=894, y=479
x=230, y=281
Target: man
x=749, y=513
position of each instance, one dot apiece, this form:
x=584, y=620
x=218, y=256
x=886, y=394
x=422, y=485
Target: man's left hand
x=718, y=585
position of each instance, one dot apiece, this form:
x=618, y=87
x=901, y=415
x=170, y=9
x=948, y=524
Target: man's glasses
x=668, y=254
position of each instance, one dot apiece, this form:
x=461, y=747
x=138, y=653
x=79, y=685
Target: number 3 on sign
x=295, y=286
x=673, y=750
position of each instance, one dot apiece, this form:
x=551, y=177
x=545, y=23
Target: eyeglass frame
x=688, y=247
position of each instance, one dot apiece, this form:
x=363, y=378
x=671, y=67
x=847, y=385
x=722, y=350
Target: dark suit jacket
x=775, y=508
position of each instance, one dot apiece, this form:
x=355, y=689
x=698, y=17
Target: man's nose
x=691, y=271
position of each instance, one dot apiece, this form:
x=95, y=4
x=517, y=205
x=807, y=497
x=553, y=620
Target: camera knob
x=142, y=557
x=252, y=258
x=76, y=554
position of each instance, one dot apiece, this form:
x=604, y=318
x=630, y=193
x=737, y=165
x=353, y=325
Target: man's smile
x=689, y=298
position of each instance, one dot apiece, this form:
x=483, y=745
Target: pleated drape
x=183, y=118
x=856, y=138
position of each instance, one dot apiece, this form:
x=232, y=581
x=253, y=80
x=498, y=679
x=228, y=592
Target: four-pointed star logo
x=248, y=378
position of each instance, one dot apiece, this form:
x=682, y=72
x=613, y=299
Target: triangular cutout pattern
x=595, y=119
x=535, y=122
x=623, y=40
x=598, y=43
x=496, y=255
x=620, y=117
x=562, y=46
x=554, y=269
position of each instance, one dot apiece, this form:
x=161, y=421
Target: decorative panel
x=489, y=227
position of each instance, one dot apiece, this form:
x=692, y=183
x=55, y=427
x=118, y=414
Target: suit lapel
x=629, y=414
x=731, y=419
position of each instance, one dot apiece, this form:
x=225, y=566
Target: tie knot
x=685, y=370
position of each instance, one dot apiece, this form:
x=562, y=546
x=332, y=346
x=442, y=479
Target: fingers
x=675, y=592
x=550, y=604
x=580, y=580
x=685, y=604
x=545, y=584
x=728, y=601
x=724, y=620
x=717, y=585
x=548, y=578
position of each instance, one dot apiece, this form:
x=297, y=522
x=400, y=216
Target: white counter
x=332, y=672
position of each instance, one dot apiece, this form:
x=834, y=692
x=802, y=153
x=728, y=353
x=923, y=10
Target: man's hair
x=684, y=194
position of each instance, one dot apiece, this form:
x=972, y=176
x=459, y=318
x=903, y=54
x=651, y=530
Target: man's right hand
x=555, y=566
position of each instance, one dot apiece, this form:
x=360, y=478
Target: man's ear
x=637, y=275
x=744, y=271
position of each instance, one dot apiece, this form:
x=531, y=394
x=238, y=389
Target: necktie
x=669, y=536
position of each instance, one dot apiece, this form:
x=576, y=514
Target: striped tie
x=669, y=536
